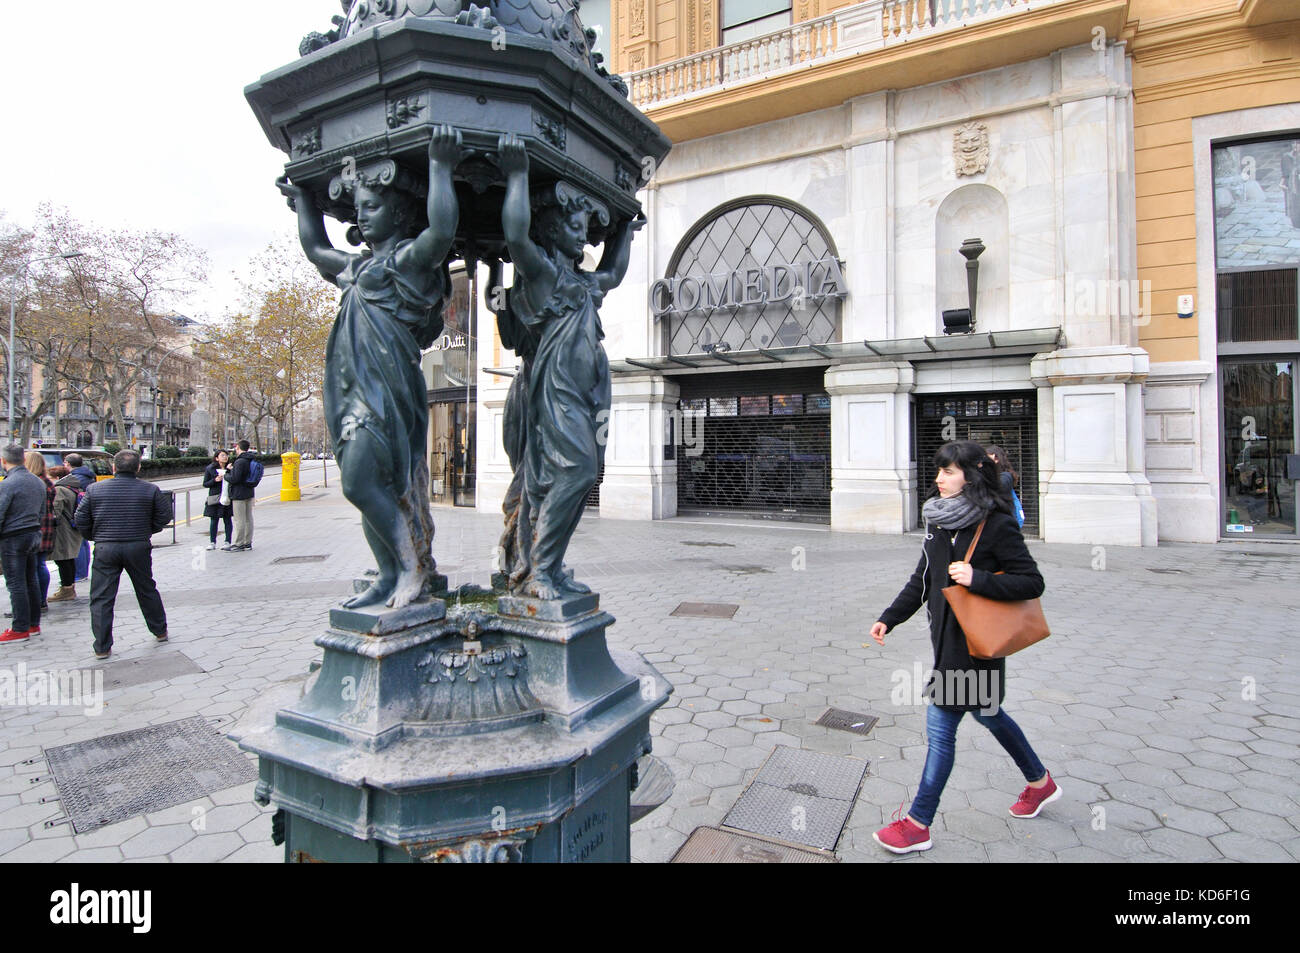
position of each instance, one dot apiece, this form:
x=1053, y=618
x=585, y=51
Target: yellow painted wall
x=1191, y=58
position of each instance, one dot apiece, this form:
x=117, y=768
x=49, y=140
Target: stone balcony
x=860, y=49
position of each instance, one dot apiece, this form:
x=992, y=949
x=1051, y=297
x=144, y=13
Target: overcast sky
x=133, y=115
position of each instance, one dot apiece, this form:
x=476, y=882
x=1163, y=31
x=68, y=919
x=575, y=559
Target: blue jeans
x=941, y=729
x=83, y=562
x=18, y=554
x=42, y=576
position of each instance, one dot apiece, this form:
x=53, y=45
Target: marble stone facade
x=1055, y=209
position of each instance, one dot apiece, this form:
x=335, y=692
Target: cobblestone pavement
x=1166, y=703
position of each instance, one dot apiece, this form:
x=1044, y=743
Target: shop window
x=1257, y=239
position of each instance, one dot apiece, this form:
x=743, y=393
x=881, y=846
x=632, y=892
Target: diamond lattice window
x=754, y=234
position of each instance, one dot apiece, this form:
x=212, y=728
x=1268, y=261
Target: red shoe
x=11, y=636
x=1032, y=799
x=34, y=630
x=903, y=836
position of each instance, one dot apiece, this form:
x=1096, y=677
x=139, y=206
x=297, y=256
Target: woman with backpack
x=218, y=507
x=67, y=541
x=968, y=500
x=1007, y=475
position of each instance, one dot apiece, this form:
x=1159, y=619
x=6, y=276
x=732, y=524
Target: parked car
x=97, y=460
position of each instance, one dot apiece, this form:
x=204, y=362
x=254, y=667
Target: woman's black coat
x=213, y=507
x=961, y=682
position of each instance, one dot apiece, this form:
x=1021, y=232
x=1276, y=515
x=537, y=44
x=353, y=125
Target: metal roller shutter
x=1008, y=419
x=761, y=444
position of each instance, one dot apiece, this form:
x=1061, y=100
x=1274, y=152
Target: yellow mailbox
x=289, y=476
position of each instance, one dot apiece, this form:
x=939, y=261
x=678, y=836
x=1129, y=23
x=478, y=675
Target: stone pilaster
x=873, y=489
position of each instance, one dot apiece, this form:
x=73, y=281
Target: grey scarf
x=955, y=512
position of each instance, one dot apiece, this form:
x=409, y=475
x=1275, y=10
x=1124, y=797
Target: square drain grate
x=110, y=779
x=128, y=672
x=708, y=845
x=294, y=560
x=706, y=610
x=843, y=720
x=800, y=796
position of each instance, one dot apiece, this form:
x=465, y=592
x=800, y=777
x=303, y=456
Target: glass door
x=1260, y=465
x=442, y=480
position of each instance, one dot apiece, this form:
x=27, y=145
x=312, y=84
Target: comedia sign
x=797, y=285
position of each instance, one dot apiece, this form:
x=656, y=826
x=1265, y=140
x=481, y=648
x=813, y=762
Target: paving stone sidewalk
x=1166, y=704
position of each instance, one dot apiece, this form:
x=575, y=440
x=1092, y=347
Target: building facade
x=842, y=171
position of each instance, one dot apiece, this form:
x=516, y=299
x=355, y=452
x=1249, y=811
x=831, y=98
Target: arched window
x=758, y=272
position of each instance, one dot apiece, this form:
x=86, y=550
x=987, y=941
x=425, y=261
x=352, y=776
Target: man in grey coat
x=22, y=503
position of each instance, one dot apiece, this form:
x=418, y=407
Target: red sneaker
x=34, y=630
x=1032, y=799
x=11, y=636
x=903, y=836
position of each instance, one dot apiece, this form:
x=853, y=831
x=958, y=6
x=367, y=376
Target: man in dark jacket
x=241, y=499
x=86, y=477
x=22, y=501
x=121, y=515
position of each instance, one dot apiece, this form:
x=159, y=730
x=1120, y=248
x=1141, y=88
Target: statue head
x=389, y=201
x=563, y=219
x=385, y=212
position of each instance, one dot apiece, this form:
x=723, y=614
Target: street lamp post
x=13, y=302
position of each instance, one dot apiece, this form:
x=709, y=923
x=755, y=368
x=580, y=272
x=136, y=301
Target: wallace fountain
x=485, y=724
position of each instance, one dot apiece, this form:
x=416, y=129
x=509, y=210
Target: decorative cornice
x=1245, y=76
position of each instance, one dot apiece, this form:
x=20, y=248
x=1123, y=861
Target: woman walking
x=214, y=478
x=67, y=541
x=969, y=495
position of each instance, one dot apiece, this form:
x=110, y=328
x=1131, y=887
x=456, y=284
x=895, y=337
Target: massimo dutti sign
x=809, y=281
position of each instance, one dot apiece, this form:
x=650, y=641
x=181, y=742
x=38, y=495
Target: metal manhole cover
x=110, y=779
x=1166, y=572
x=709, y=845
x=294, y=560
x=847, y=721
x=128, y=672
x=800, y=796
x=691, y=542
x=746, y=570
x=706, y=610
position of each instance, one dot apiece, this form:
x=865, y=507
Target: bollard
x=289, y=482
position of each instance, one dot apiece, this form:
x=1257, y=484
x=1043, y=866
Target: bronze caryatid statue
x=376, y=400
x=565, y=396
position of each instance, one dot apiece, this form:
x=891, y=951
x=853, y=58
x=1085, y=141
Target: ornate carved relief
x=638, y=18
x=404, y=110
x=970, y=148
x=552, y=131
x=503, y=851
x=307, y=143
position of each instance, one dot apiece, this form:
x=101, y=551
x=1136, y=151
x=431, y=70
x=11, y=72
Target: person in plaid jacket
x=49, y=528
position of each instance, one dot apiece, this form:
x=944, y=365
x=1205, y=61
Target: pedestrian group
x=53, y=514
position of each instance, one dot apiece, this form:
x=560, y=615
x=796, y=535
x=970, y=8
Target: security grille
x=1008, y=419
x=757, y=443
x=754, y=233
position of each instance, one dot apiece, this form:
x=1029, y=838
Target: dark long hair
x=1004, y=462
x=983, y=485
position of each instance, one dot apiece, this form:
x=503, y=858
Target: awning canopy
x=936, y=348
